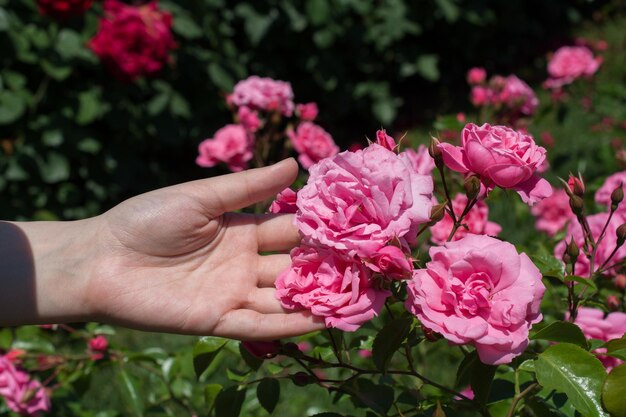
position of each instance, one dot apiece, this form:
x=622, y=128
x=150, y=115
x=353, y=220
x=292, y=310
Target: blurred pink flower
x=249, y=119
x=23, y=395
x=596, y=325
x=264, y=94
x=476, y=221
x=307, y=112
x=421, y=161
x=231, y=145
x=569, y=63
x=603, y=195
x=312, y=143
x=553, y=213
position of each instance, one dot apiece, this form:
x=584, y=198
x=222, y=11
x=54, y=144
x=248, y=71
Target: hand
x=177, y=260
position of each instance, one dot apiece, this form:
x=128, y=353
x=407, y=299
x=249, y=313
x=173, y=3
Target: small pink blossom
x=358, y=201
x=384, y=140
x=518, y=96
x=331, y=286
x=595, y=325
x=476, y=75
x=249, y=119
x=480, y=96
x=23, y=395
x=553, y=213
x=476, y=221
x=285, y=202
x=569, y=63
x=365, y=353
x=264, y=94
x=392, y=262
x=479, y=291
x=312, y=143
x=231, y=145
x=501, y=157
x=307, y=112
x=421, y=161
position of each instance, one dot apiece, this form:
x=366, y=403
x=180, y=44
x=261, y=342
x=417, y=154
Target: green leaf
x=220, y=77
x=614, y=392
x=478, y=375
x=58, y=73
x=229, y=401
x=211, y=391
x=180, y=106
x=327, y=414
x=52, y=137
x=449, y=9
x=537, y=407
x=389, y=339
x=318, y=11
x=55, y=168
x=584, y=281
x=562, y=331
x=616, y=348
x=572, y=370
x=4, y=20
x=256, y=25
x=89, y=107
x=268, y=392
x=549, y=266
x=158, y=103
x=427, y=67
x=186, y=27
x=528, y=366
x=205, y=351
x=364, y=392
x=130, y=392
x=12, y=107
x=252, y=361
x=69, y=45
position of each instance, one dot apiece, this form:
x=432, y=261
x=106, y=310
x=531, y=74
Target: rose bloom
x=359, y=201
x=476, y=220
x=603, y=195
x=22, y=394
x=569, y=63
x=392, y=262
x=609, y=241
x=231, y=145
x=553, y=213
x=133, y=41
x=502, y=157
x=480, y=96
x=307, y=112
x=285, y=202
x=476, y=75
x=421, y=161
x=312, y=143
x=264, y=94
x=330, y=286
x=249, y=119
x=595, y=325
x=99, y=344
x=518, y=96
x=63, y=9
x=479, y=291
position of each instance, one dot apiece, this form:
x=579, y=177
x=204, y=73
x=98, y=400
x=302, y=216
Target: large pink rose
x=569, y=63
x=603, y=195
x=358, y=201
x=479, y=291
x=312, y=143
x=421, y=161
x=330, y=286
x=604, y=250
x=231, y=145
x=476, y=221
x=133, y=41
x=595, y=325
x=502, y=157
x=264, y=94
x=22, y=394
x=553, y=213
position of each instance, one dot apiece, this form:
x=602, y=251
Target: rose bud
x=437, y=212
x=99, y=344
x=435, y=152
x=472, y=187
x=576, y=204
x=620, y=281
x=572, y=251
x=576, y=185
x=384, y=140
x=621, y=235
x=391, y=262
x=292, y=350
x=616, y=197
x=612, y=302
x=262, y=350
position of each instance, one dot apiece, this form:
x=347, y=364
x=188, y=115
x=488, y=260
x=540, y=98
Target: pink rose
x=231, y=145
x=518, y=96
x=307, y=112
x=479, y=291
x=384, y=140
x=133, y=41
x=502, y=157
x=392, y=262
x=604, y=250
x=249, y=119
x=99, y=344
x=476, y=221
x=595, y=325
x=312, y=143
x=330, y=286
x=264, y=94
x=553, y=213
x=569, y=63
x=476, y=75
x=285, y=202
x=359, y=201
x=365, y=353
x=603, y=195
x=480, y=96
x=421, y=161
x=22, y=394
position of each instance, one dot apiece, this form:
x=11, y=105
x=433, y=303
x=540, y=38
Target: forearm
x=43, y=267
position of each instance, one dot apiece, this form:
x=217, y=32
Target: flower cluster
x=63, y=9
x=133, y=41
x=570, y=63
x=23, y=395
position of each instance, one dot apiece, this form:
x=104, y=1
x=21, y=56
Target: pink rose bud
x=480, y=96
x=613, y=303
x=365, y=353
x=384, y=140
x=620, y=281
x=460, y=117
x=307, y=112
x=435, y=152
x=576, y=185
x=476, y=75
x=262, y=350
x=391, y=262
x=99, y=344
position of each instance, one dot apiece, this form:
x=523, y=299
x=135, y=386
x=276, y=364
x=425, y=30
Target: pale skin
x=172, y=260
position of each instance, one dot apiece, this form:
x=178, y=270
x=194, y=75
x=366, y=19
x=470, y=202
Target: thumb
x=234, y=191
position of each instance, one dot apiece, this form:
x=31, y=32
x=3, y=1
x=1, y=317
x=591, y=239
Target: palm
x=171, y=261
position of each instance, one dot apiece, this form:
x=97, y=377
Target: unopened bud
x=292, y=350
x=430, y=334
x=435, y=152
x=302, y=379
x=472, y=187
x=576, y=204
x=621, y=235
x=620, y=281
x=437, y=212
x=576, y=184
x=572, y=251
x=616, y=197
x=612, y=302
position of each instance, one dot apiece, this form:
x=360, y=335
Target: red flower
x=133, y=41
x=63, y=9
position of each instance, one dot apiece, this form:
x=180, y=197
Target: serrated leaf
x=572, y=370
x=389, y=340
x=549, y=266
x=614, y=392
x=205, y=351
x=229, y=401
x=562, y=331
x=268, y=393
x=211, y=391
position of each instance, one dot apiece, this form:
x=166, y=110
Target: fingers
x=263, y=300
x=276, y=232
x=269, y=267
x=251, y=325
x=234, y=191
